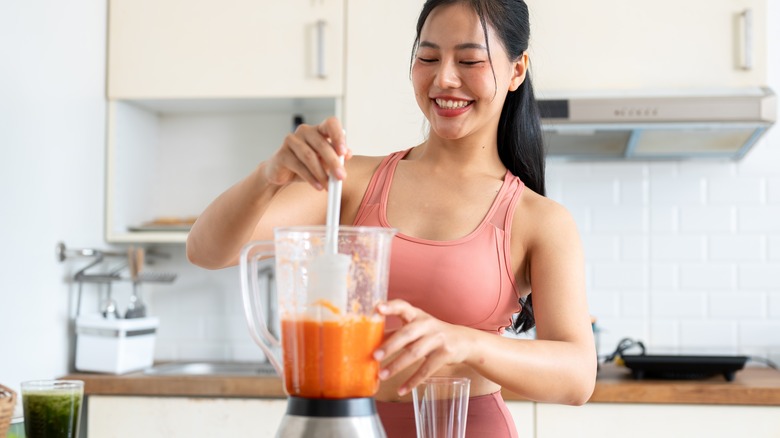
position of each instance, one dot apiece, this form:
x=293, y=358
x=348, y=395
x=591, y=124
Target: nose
x=447, y=75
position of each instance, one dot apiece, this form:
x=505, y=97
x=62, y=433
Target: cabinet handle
x=747, y=39
x=321, y=50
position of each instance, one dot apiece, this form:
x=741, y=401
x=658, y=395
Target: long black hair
x=520, y=144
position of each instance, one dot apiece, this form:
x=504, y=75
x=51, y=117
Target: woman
x=476, y=235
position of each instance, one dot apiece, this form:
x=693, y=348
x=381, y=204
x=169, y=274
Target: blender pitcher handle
x=254, y=311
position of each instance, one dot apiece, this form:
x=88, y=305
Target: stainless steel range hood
x=721, y=124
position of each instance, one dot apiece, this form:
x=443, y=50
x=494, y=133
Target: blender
x=327, y=290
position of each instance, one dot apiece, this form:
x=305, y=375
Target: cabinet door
x=173, y=417
x=380, y=112
x=606, y=420
x=663, y=44
x=225, y=48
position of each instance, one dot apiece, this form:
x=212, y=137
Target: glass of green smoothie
x=52, y=408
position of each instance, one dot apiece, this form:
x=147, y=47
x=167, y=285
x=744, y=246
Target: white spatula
x=328, y=272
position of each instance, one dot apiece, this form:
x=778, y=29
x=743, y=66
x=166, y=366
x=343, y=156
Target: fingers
x=334, y=148
x=331, y=128
x=418, y=340
x=311, y=153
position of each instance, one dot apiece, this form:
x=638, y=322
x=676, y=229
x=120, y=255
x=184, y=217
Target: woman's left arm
x=559, y=366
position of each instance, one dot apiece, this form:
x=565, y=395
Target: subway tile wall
x=682, y=256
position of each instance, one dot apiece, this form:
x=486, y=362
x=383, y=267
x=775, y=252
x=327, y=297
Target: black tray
x=683, y=367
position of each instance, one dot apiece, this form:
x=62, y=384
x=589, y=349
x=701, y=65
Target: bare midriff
x=331, y=359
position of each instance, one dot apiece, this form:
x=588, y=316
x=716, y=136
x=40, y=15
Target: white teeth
x=452, y=104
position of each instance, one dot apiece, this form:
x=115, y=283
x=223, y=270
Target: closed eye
x=427, y=60
x=471, y=62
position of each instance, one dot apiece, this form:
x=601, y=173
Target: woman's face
x=452, y=76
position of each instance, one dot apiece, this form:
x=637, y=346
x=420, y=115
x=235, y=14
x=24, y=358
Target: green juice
x=52, y=414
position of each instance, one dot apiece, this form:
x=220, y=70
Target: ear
x=520, y=67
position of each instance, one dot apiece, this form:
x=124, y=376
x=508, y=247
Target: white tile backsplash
x=600, y=248
x=773, y=248
x=664, y=335
x=634, y=248
x=682, y=305
x=743, y=305
x=759, y=333
x=759, y=218
x=618, y=219
x=764, y=276
x=736, y=191
x=620, y=276
x=664, y=276
x=710, y=277
x=773, y=304
x=677, y=248
x=695, y=219
x=678, y=191
x=773, y=190
x=736, y=248
x=710, y=334
x=697, y=263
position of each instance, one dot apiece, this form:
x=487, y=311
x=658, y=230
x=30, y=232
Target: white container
x=114, y=346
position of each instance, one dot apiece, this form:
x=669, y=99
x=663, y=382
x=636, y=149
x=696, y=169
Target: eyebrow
x=463, y=46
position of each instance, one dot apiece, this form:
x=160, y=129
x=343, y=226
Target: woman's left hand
x=422, y=337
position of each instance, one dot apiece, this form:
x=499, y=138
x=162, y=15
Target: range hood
x=722, y=124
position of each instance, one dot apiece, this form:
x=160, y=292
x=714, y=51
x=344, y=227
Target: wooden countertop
x=751, y=386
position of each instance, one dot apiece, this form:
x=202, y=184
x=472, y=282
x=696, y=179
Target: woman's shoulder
x=360, y=169
x=365, y=165
x=539, y=217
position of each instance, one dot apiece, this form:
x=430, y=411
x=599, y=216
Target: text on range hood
x=723, y=124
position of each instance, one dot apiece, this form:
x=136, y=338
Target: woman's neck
x=467, y=155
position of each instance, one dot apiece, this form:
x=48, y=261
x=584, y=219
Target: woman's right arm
x=287, y=189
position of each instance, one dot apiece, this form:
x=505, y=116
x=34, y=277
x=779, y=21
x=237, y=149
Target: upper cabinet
x=160, y=49
x=380, y=112
x=663, y=44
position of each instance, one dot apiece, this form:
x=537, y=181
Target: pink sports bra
x=467, y=281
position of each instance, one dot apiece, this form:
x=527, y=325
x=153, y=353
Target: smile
x=453, y=104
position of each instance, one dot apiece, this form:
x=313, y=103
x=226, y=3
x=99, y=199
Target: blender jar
x=326, y=305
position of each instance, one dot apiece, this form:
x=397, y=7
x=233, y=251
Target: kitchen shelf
x=172, y=157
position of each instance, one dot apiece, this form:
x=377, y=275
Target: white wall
x=52, y=112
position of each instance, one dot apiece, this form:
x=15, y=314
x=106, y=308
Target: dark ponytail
x=520, y=144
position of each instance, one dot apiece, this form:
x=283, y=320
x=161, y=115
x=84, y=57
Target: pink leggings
x=488, y=416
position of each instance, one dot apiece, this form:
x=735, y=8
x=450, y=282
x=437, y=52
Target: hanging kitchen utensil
x=110, y=310
x=135, y=261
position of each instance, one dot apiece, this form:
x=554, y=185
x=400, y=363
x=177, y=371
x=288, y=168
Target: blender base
x=324, y=418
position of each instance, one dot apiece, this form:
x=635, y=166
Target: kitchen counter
x=751, y=386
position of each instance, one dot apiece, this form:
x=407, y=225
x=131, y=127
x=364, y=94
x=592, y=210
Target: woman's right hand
x=311, y=153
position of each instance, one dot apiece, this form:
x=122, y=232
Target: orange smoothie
x=331, y=359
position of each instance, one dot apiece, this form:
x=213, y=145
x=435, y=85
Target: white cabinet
x=607, y=420
x=199, y=92
x=663, y=44
x=180, y=417
x=524, y=416
x=380, y=112
x=225, y=48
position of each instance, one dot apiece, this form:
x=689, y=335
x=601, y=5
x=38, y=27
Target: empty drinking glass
x=440, y=407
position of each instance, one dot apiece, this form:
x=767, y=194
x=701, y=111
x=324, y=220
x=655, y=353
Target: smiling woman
x=475, y=232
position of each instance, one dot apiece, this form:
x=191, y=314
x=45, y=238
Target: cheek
x=420, y=82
